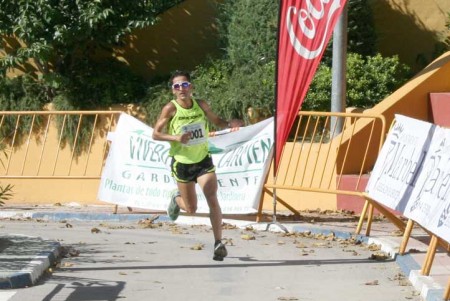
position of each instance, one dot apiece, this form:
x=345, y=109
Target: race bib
x=198, y=133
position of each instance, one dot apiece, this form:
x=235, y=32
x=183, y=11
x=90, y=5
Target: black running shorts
x=190, y=172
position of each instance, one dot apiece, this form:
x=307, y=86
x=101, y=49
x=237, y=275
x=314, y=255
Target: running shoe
x=220, y=252
x=173, y=211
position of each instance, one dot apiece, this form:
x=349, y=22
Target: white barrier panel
x=429, y=204
x=392, y=179
x=137, y=170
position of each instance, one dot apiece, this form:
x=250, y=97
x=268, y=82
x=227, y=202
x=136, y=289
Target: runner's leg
x=188, y=199
x=208, y=184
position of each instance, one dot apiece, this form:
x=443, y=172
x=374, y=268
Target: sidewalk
x=23, y=268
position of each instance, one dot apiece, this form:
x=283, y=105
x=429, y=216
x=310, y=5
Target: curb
x=34, y=269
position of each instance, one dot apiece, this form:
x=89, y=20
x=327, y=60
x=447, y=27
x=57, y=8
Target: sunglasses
x=178, y=86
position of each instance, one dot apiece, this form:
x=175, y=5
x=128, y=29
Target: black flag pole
x=275, y=149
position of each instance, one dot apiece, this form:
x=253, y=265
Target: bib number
x=197, y=131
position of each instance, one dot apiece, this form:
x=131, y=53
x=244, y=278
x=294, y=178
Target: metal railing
x=54, y=144
x=318, y=155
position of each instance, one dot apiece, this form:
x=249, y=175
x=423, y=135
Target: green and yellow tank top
x=189, y=120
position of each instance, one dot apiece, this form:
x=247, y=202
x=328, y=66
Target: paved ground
x=89, y=253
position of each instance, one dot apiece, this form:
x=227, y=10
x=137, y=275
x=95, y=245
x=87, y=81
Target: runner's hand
x=184, y=138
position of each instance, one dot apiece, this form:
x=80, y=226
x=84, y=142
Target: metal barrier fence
x=319, y=155
x=54, y=144
x=63, y=145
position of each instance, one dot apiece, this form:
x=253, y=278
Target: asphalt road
x=165, y=261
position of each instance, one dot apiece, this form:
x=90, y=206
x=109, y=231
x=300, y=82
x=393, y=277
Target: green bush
x=232, y=91
x=21, y=93
x=369, y=80
x=5, y=191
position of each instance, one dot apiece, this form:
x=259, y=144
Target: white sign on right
x=394, y=174
x=429, y=204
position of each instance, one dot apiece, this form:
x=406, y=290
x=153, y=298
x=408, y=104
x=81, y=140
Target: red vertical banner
x=305, y=27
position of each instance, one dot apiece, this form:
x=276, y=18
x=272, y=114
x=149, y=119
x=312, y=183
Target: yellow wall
x=409, y=28
x=413, y=98
x=182, y=39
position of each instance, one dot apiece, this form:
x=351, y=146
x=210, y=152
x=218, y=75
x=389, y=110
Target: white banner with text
x=137, y=169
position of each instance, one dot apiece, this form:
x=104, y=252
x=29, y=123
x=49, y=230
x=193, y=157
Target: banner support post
x=274, y=213
x=275, y=150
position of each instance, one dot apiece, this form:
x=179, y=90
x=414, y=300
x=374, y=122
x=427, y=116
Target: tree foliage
x=57, y=34
x=245, y=76
x=253, y=22
x=71, y=44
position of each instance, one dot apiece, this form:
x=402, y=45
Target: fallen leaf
x=398, y=276
x=69, y=251
x=228, y=226
x=413, y=251
x=247, y=237
x=373, y=247
x=197, y=247
x=149, y=222
x=321, y=245
x=228, y=241
x=301, y=245
x=375, y=282
x=379, y=256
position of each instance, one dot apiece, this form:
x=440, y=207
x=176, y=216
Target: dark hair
x=179, y=73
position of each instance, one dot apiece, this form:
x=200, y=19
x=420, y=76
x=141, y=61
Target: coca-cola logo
x=308, y=19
